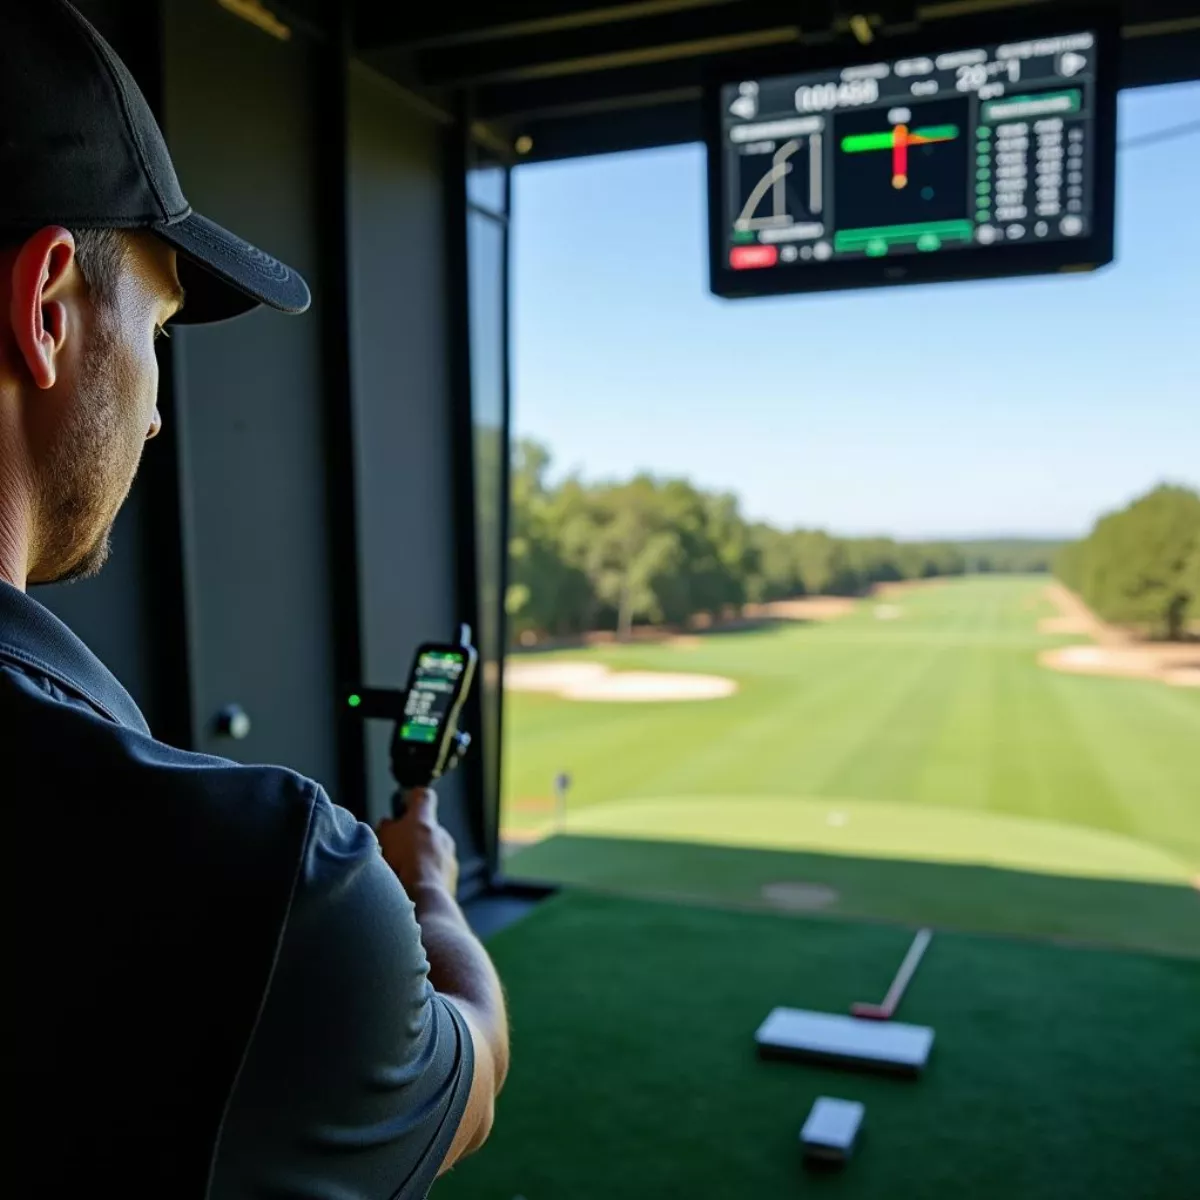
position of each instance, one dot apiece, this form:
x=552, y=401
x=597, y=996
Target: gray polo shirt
x=219, y=985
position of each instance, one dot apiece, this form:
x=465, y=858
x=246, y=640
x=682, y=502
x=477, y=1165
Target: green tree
x=624, y=547
x=818, y=564
x=774, y=572
x=1138, y=566
x=1189, y=579
x=588, y=555
x=546, y=593
x=716, y=556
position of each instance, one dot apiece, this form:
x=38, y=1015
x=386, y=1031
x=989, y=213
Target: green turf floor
x=1057, y=1073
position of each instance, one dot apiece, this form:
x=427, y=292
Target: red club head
x=870, y=1012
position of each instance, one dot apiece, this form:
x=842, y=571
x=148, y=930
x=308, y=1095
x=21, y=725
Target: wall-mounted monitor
x=962, y=152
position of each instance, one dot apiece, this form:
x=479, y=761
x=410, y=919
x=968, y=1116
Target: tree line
x=586, y=556
x=1140, y=566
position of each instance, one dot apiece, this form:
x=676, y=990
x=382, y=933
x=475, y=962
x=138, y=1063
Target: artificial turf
x=1057, y=1073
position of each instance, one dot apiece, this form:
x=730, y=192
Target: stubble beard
x=89, y=472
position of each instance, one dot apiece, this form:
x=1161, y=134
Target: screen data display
x=986, y=148
x=431, y=695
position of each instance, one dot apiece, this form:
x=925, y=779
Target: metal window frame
x=483, y=794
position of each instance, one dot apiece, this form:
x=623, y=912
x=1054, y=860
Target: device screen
x=983, y=148
x=431, y=695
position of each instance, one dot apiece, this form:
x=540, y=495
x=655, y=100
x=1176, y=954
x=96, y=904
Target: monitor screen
x=982, y=159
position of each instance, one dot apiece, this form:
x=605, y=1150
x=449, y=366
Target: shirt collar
x=33, y=639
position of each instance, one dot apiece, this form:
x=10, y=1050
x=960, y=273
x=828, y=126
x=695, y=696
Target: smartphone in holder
x=427, y=740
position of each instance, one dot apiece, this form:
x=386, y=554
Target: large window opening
x=883, y=603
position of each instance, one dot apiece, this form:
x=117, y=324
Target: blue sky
x=1047, y=402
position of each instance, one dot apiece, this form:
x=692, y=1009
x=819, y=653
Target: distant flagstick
x=562, y=785
x=908, y=968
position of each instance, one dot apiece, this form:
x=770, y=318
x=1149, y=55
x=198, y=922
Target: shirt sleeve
x=358, y=1072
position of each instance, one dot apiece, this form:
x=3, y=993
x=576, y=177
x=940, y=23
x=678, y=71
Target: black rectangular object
x=972, y=150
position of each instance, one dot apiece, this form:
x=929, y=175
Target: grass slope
x=942, y=710
x=1056, y=1075
x=1117, y=913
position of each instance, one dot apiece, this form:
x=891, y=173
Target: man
x=223, y=987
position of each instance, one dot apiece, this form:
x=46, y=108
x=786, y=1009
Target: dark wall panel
x=402, y=408
x=241, y=117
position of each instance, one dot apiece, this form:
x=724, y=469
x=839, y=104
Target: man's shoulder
x=71, y=757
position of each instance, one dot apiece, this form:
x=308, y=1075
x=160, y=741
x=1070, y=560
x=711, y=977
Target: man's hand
x=417, y=848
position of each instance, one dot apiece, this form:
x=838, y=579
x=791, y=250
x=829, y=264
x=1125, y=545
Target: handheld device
x=427, y=740
x=970, y=149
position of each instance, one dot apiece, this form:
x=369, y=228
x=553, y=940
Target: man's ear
x=43, y=278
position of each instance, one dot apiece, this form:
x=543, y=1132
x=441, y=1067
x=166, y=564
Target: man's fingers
x=421, y=802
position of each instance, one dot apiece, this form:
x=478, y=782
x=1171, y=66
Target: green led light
x=983, y=216
x=983, y=173
x=983, y=131
x=983, y=188
x=354, y=700
x=983, y=160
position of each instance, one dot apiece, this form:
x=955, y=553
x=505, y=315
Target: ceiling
x=572, y=77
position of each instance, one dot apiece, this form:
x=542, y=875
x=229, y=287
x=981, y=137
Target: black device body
x=427, y=740
x=775, y=255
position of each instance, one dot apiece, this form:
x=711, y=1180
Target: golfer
x=225, y=986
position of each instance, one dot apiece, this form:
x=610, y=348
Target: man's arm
x=422, y=854
x=359, y=1073
x=461, y=971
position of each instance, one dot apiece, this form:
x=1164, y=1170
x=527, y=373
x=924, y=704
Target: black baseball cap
x=80, y=147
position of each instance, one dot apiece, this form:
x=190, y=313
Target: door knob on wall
x=232, y=721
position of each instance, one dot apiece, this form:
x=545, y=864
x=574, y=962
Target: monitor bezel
x=1083, y=254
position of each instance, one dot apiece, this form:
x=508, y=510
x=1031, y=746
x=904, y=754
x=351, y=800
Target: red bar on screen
x=743, y=258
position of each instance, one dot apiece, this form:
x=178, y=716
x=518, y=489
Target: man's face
x=96, y=418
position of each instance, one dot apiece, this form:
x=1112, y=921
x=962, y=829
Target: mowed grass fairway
x=931, y=737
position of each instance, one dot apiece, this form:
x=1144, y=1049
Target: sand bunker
x=594, y=681
x=805, y=608
x=1176, y=665
x=1074, y=617
x=1115, y=653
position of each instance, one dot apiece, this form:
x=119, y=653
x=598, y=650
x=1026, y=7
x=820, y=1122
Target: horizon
x=556, y=479
x=623, y=362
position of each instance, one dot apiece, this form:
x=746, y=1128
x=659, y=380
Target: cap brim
x=224, y=276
